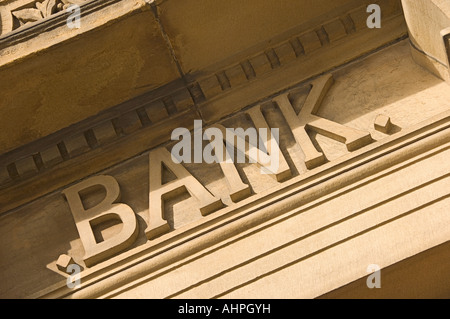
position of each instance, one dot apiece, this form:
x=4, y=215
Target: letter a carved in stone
x=160, y=192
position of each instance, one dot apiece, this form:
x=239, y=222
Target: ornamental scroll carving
x=14, y=15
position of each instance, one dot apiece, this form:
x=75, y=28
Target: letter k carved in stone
x=307, y=119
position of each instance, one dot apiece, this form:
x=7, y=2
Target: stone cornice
x=363, y=138
x=53, y=22
x=146, y=122
x=13, y=32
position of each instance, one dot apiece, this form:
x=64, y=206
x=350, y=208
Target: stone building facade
x=94, y=205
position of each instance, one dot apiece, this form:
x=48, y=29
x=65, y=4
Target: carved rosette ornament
x=12, y=19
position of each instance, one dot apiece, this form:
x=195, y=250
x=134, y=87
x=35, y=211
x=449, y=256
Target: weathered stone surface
x=360, y=188
x=362, y=175
x=431, y=279
x=214, y=31
x=117, y=54
x=318, y=58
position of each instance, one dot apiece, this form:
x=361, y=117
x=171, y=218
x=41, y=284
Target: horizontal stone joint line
x=414, y=136
x=365, y=210
x=292, y=263
x=301, y=210
x=200, y=96
x=50, y=23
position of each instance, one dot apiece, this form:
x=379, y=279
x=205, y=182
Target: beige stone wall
x=318, y=230
x=364, y=132
x=127, y=48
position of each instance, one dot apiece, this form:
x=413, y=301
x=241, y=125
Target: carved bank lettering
x=221, y=149
x=108, y=209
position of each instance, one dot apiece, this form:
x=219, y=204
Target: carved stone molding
x=348, y=136
x=17, y=14
x=226, y=87
x=198, y=99
x=296, y=195
x=363, y=140
x=148, y=116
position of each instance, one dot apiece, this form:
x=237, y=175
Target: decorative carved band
x=106, y=132
x=20, y=13
x=297, y=47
